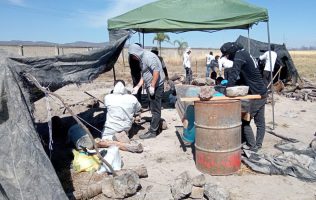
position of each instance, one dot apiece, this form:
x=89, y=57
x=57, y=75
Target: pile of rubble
x=305, y=91
x=185, y=187
x=125, y=184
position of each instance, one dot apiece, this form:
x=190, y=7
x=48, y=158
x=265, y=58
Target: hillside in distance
x=43, y=43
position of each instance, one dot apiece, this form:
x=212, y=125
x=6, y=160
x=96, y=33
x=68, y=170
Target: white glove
x=135, y=90
x=151, y=90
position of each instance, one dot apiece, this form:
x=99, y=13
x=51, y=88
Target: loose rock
x=214, y=192
x=121, y=186
x=199, y=181
x=181, y=186
x=197, y=193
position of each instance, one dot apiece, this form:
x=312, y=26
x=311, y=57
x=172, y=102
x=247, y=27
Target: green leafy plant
x=181, y=46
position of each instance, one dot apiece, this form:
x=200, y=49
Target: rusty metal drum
x=218, y=136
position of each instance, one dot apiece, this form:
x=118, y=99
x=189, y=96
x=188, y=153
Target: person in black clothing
x=164, y=67
x=246, y=68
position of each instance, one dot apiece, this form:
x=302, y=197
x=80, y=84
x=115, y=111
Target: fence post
x=21, y=53
x=56, y=51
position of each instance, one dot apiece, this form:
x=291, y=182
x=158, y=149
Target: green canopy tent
x=189, y=15
x=192, y=15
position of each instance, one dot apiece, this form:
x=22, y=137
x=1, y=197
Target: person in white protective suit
x=121, y=108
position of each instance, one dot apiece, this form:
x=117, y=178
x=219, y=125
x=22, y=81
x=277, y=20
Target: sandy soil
x=165, y=159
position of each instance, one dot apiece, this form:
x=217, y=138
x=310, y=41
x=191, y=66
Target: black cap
x=225, y=48
x=230, y=48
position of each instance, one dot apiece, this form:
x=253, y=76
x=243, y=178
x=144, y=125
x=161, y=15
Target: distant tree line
x=304, y=48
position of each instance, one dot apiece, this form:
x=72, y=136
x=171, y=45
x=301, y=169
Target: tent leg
x=271, y=74
x=139, y=38
x=143, y=40
x=248, y=41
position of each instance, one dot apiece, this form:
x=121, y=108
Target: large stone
x=199, y=82
x=199, y=181
x=121, y=186
x=215, y=192
x=206, y=93
x=182, y=186
x=197, y=193
x=237, y=91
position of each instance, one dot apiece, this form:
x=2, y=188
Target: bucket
x=218, y=136
x=79, y=137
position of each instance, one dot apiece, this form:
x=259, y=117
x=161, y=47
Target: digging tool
x=279, y=71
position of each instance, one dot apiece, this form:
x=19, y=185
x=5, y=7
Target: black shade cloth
x=257, y=48
x=25, y=170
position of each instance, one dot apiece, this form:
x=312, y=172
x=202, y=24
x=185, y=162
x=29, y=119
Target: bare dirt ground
x=165, y=159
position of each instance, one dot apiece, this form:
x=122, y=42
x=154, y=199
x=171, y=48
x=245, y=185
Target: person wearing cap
x=187, y=66
x=121, y=108
x=246, y=68
x=155, y=51
x=153, y=79
x=267, y=69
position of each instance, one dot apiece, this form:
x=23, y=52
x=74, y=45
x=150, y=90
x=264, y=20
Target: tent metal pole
x=143, y=39
x=139, y=38
x=271, y=74
x=248, y=40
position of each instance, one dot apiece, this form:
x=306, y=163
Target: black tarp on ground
x=257, y=48
x=25, y=170
x=296, y=160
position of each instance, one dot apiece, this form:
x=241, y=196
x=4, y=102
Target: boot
x=148, y=135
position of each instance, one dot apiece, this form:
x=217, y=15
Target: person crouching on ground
x=153, y=77
x=245, y=67
x=121, y=108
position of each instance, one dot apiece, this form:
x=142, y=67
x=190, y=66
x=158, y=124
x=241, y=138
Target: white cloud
x=17, y=2
x=99, y=18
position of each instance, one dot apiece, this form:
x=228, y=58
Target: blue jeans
x=208, y=70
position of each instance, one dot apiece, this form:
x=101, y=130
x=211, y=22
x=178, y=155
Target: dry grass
x=305, y=62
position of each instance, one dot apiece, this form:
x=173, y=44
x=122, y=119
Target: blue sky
x=64, y=21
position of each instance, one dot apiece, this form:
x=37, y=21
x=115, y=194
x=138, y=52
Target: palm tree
x=161, y=37
x=181, y=45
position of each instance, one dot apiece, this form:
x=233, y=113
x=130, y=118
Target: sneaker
x=148, y=135
x=245, y=146
x=254, y=149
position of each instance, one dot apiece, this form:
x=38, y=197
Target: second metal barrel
x=218, y=136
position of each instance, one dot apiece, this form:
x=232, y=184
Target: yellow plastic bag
x=85, y=163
